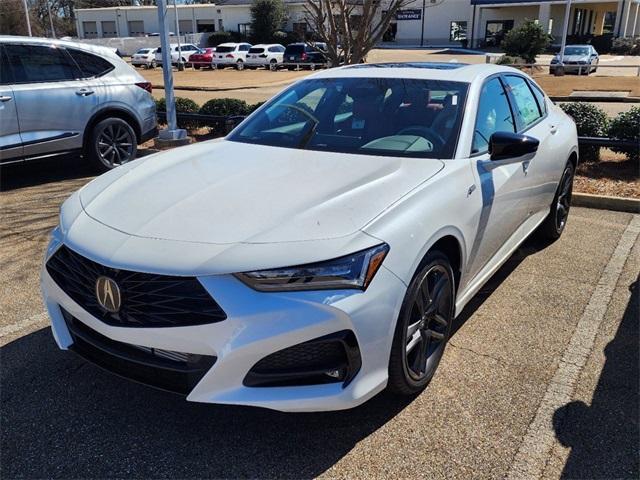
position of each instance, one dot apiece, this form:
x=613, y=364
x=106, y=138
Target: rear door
x=53, y=103
x=10, y=140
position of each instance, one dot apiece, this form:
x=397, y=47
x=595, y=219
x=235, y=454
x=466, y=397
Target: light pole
x=565, y=31
x=53, y=30
x=175, y=11
x=26, y=14
x=172, y=133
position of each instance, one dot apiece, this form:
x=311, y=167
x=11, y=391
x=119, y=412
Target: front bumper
x=259, y=324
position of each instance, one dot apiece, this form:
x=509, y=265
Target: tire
x=552, y=227
x=239, y=65
x=196, y=67
x=273, y=65
x=112, y=142
x=412, y=368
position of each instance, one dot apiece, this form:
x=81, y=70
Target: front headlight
x=351, y=271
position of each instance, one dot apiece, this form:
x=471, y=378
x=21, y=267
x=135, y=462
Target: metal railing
x=224, y=124
x=570, y=67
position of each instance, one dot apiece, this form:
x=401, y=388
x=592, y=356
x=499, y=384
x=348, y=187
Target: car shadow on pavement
x=65, y=418
x=604, y=436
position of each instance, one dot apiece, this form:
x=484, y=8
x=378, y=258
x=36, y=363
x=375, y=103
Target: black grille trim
x=132, y=363
x=308, y=363
x=148, y=300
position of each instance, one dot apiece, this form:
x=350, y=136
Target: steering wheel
x=301, y=110
x=425, y=132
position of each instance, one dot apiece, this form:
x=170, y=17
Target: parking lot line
x=535, y=448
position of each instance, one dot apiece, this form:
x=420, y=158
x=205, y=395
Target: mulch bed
x=613, y=175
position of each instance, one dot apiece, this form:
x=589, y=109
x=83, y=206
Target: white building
x=423, y=22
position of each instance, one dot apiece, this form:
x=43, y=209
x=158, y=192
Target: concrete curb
x=603, y=202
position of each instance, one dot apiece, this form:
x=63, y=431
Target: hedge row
x=225, y=107
x=592, y=121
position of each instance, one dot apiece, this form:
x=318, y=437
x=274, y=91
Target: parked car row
x=237, y=55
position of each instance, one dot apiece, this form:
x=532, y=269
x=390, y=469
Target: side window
x=526, y=105
x=5, y=74
x=542, y=104
x=244, y=48
x=39, y=63
x=90, y=65
x=494, y=115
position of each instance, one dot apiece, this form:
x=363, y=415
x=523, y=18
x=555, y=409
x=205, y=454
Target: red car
x=202, y=59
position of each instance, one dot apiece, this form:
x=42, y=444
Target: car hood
x=224, y=192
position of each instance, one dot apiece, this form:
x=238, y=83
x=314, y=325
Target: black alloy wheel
x=424, y=326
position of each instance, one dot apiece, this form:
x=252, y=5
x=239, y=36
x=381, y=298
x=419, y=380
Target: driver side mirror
x=503, y=145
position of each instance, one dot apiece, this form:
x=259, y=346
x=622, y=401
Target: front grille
x=147, y=300
x=153, y=367
x=329, y=359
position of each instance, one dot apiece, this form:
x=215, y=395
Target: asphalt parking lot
x=540, y=379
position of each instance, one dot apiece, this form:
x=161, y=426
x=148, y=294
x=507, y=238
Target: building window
x=457, y=31
x=244, y=29
x=109, y=29
x=300, y=28
x=205, y=26
x=90, y=29
x=220, y=25
x=136, y=28
x=496, y=30
x=609, y=22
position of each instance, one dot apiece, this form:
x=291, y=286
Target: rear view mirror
x=503, y=145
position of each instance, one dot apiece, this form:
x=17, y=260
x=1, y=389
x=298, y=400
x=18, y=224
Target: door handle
x=84, y=92
x=553, y=129
x=5, y=98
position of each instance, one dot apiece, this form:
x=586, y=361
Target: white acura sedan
x=320, y=252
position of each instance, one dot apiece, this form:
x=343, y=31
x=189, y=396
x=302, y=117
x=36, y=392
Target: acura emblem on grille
x=108, y=294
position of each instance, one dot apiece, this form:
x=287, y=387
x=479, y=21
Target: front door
x=53, y=105
x=10, y=141
x=502, y=183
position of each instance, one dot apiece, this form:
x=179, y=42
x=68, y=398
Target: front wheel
x=423, y=327
x=113, y=142
x=553, y=226
x=239, y=65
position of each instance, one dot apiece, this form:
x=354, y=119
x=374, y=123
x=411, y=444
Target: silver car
x=61, y=97
x=581, y=59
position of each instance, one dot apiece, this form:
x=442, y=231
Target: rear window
x=143, y=51
x=295, y=49
x=256, y=50
x=225, y=49
x=90, y=65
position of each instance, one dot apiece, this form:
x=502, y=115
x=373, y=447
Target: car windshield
x=373, y=116
x=576, y=51
x=143, y=50
x=225, y=49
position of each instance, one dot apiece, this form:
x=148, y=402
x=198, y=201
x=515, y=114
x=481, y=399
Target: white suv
x=265, y=55
x=145, y=57
x=231, y=54
x=60, y=97
x=184, y=51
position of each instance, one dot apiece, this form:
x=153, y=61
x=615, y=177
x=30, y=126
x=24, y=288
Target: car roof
x=578, y=45
x=97, y=49
x=467, y=73
x=233, y=44
x=265, y=45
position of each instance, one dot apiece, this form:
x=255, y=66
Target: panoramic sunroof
x=429, y=65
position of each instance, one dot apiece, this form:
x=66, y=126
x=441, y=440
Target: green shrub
x=223, y=36
x=591, y=121
x=255, y=106
x=183, y=105
x=225, y=107
x=526, y=41
x=626, y=46
x=508, y=60
x=626, y=126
